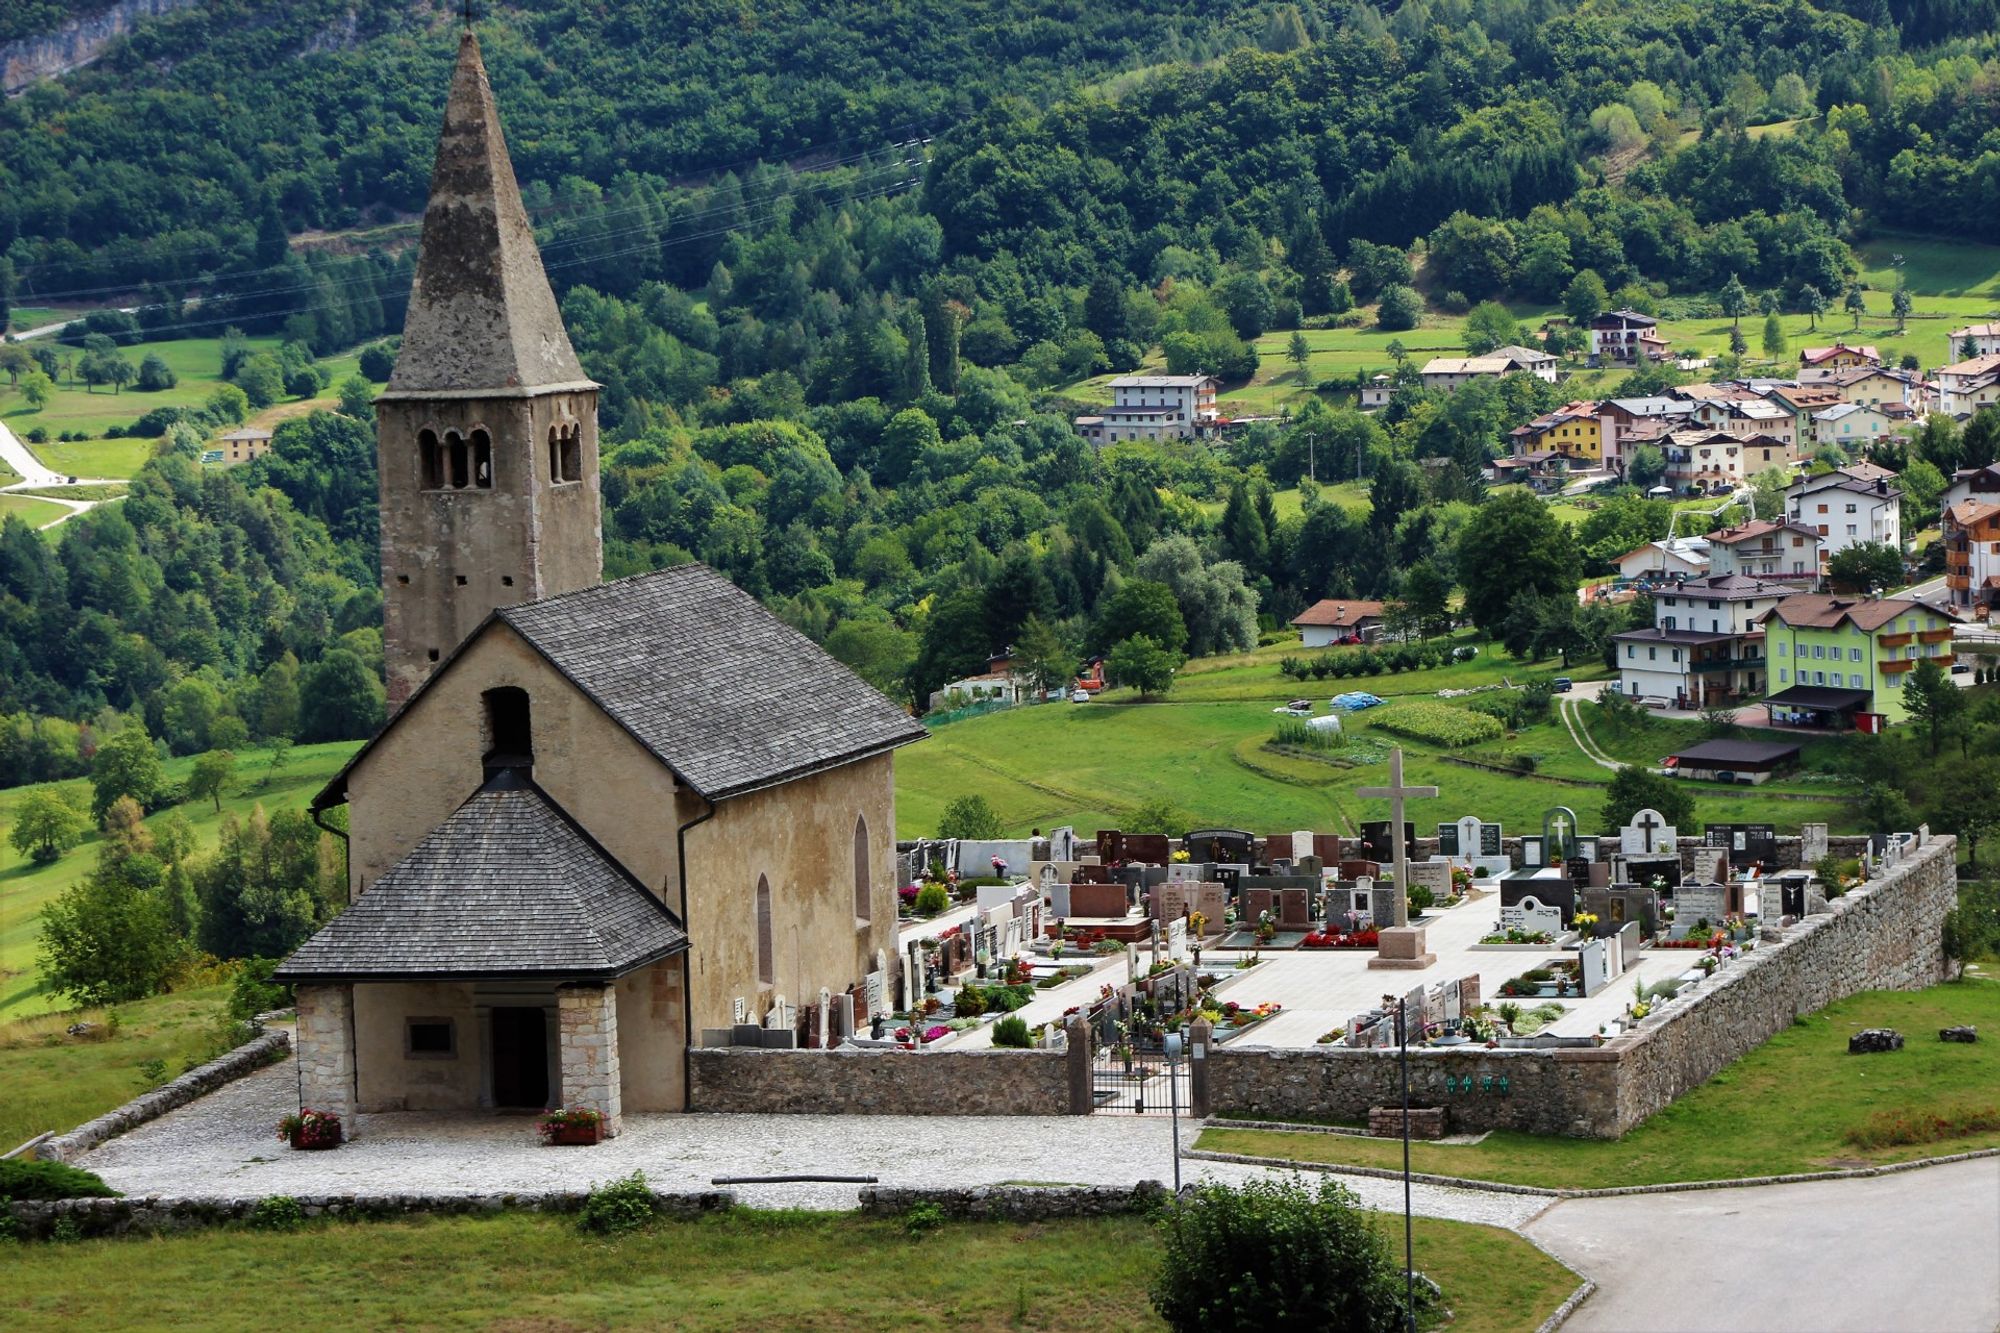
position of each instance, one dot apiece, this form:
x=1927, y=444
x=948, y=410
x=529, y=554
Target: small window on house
x=506, y=580
x=460, y=460
x=861, y=884
x=510, y=740
x=432, y=655
x=430, y=1039
x=430, y=462
x=767, y=963
x=403, y=580
x=482, y=460
x=459, y=579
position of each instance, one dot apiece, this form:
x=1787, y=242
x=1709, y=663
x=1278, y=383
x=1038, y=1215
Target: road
x=34, y=476
x=46, y=330
x=1917, y=1251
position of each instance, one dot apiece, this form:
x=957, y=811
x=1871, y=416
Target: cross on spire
x=467, y=9
x=1396, y=792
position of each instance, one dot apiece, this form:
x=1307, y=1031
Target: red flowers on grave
x=1365, y=938
x=570, y=1126
x=310, y=1130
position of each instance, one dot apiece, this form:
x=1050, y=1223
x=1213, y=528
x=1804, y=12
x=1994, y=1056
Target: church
x=603, y=816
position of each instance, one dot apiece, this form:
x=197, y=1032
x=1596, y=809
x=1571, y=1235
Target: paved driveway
x=1919, y=1251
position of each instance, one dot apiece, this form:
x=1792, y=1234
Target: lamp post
x=1173, y=1047
x=1409, y=1226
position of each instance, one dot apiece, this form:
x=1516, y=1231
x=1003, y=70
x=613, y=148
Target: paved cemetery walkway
x=225, y=1145
x=1914, y=1251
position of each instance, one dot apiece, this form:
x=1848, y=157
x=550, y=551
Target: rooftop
x=1338, y=614
x=1736, y=754
x=509, y=885
x=1161, y=381
x=1812, y=610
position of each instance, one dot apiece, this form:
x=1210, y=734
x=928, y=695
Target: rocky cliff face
x=76, y=43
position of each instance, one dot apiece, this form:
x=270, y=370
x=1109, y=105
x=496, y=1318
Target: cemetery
x=1564, y=982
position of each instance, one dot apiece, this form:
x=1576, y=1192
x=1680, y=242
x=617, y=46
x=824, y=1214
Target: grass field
x=56, y=1082
x=732, y=1271
x=25, y=888
x=29, y=510
x=75, y=407
x=1204, y=750
x=1786, y=1107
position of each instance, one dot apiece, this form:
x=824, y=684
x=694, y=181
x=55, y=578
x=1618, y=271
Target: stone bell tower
x=487, y=434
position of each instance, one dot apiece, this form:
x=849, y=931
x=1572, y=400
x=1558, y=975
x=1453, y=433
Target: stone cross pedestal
x=1399, y=944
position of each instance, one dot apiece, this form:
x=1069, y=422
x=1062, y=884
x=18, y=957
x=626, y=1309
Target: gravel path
x=225, y=1145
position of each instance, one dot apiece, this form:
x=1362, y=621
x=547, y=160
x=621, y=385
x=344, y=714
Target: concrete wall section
x=878, y=1082
x=389, y=1077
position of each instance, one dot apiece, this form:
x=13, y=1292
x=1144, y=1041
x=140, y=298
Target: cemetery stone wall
x=852, y=1081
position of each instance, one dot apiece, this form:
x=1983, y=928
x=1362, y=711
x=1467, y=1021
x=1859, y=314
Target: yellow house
x=1572, y=429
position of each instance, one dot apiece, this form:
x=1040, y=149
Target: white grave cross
x=1396, y=792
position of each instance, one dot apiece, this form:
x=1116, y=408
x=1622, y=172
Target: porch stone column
x=326, y=1051
x=587, y=1030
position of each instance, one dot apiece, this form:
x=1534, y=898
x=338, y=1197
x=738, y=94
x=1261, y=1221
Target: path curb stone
x=251, y=1056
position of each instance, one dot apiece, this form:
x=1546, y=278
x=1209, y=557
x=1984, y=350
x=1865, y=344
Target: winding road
x=35, y=476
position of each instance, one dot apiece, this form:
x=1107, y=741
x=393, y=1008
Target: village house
x=1624, y=423
x=1848, y=506
x=1377, y=392
x=607, y=819
x=1572, y=429
x=239, y=446
x=1705, y=646
x=1153, y=407
x=1743, y=413
x=1966, y=386
x=1668, y=561
x=1774, y=550
x=1970, y=482
x=1446, y=373
x=1854, y=427
x=1838, y=357
x=1869, y=386
x=1801, y=401
x=1339, y=620
x=1985, y=340
x=1971, y=535
x=1839, y=662
x=1627, y=336
x=1703, y=461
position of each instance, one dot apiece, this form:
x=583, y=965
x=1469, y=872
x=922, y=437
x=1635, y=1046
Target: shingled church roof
x=507, y=886
x=720, y=690
x=482, y=320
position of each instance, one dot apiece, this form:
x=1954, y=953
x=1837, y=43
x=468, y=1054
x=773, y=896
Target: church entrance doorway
x=520, y=1057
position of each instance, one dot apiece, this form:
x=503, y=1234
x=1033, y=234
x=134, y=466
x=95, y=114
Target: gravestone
x=1153, y=849
x=1382, y=902
x=1448, y=1000
x=1220, y=846
x=1177, y=940
x=877, y=983
x=1376, y=843
x=1414, y=1015
x=1547, y=886
x=1812, y=844
x=1559, y=834
x=1534, y=853
x=1697, y=901
x=1592, y=966
x=1097, y=902
x=1171, y=901
x=1360, y=869
x=1433, y=875
x=1295, y=909
x=1468, y=993
x=1631, y=938
x=1110, y=846
x=843, y=1018
x=1062, y=844
x=1468, y=838
x=1301, y=845
x=1059, y=900
x=1746, y=844
x=1648, y=835
x=1531, y=916
x=1187, y=872
x=989, y=896
x=1326, y=846
x=1616, y=905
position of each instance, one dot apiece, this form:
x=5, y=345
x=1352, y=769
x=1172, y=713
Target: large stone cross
x=1396, y=791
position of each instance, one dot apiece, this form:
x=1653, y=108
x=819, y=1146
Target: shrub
x=1321, y=1262
x=1012, y=1032
x=969, y=817
x=922, y=1218
x=971, y=1003
x=1440, y=724
x=280, y=1212
x=254, y=992
x=1421, y=898
x=619, y=1206
x=49, y=1180
x=932, y=899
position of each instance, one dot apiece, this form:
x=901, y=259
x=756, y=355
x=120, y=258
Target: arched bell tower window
x=482, y=460
x=767, y=962
x=565, y=452
x=430, y=459
x=861, y=884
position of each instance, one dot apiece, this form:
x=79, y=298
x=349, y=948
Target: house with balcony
x=1972, y=556
x=1377, y=392
x=1838, y=357
x=1870, y=386
x=1706, y=646
x=1572, y=430
x=1839, y=663
x=1854, y=427
x=1848, y=506
x=1703, y=462
x=1673, y=560
x=1624, y=423
x=1774, y=550
x=1966, y=386
x=1973, y=483
x=1744, y=413
x=1153, y=407
x=1626, y=336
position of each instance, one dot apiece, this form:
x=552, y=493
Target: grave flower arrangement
x=311, y=1130
x=571, y=1126
x=1181, y=858
x=1585, y=922
x=1461, y=881
x=1365, y=938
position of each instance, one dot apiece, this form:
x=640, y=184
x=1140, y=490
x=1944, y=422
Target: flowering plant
x=1584, y=920
x=1181, y=858
x=552, y=1122
x=311, y=1129
x=1197, y=923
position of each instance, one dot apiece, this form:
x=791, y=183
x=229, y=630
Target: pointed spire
x=482, y=317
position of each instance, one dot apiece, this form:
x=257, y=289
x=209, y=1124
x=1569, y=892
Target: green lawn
x=1349, y=495
x=731, y=1271
x=56, y=1082
x=25, y=888
x=75, y=407
x=31, y=511
x=1204, y=750
x=1784, y=1108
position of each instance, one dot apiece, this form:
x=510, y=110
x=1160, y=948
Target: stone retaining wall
x=1887, y=935
x=251, y=1056
x=1018, y=1203
x=852, y=1081
x=143, y=1216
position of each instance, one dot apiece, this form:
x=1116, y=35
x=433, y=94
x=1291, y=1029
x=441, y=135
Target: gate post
x=1201, y=1041
x=1081, y=1090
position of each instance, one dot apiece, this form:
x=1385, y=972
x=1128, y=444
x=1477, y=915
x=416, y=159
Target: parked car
x=1464, y=653
x=1079, y=696
x=1562, y=684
